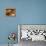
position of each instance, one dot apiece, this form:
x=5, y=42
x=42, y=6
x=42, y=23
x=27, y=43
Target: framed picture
x=10, y=11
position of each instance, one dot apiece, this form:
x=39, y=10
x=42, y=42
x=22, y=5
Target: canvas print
x=10, y=12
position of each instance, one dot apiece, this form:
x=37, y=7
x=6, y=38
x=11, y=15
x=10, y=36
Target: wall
x=27, y=12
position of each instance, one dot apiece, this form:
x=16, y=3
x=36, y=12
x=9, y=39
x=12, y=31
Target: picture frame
x=10, y=11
